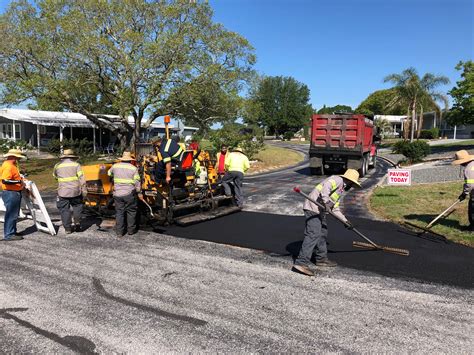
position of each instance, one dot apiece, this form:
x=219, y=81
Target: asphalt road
x=91, y=292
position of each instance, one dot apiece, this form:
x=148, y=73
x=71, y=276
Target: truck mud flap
x=206, y=216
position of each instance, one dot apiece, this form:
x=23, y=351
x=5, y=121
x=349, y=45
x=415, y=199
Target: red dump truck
x=340, y=142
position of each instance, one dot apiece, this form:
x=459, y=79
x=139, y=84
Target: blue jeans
x=12, y=202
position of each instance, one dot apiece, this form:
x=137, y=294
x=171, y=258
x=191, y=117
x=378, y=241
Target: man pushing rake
x=325, y=199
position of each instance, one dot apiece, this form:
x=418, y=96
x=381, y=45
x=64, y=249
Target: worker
x=71, y=190
x=328, y=193
x=464, y=159
x=12, y=186
x=170, y=153
x=180, y=142
x=127, y=191
x=236, y=164
x=220, y=163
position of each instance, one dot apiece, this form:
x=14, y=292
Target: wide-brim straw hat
x=238, y=149
x=127, y=156
x=68, y=153
x=351, y=175
x=15, y=153
x=461, y=157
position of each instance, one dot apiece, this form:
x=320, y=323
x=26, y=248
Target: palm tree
x=414, y=93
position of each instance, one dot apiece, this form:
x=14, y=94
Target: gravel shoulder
x=245, y=301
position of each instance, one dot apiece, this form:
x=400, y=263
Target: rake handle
x=298, y=190
x=441, y=215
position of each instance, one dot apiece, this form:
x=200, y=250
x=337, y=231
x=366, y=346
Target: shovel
x=370, y=244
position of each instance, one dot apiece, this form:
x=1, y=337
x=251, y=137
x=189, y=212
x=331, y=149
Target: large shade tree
x=378, y=102
x=416, y=94
x=462, y=111
x=127, y=57
x=278, y=104
x=333, y=109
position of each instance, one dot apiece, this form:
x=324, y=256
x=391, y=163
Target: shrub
x=432, y=133
x=399, y=146
x=7, y=144
x=416, y=151
x=288, y=135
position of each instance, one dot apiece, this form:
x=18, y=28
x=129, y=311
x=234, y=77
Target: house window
x=6, y=131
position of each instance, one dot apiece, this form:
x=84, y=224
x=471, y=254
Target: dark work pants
x=12, y=202
x=126, y=213
x=315, y=236
x=235, y=178
x=470, y=209
x=64, y=205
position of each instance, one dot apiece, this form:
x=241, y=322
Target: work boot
x=303, y=270
x=67, y=231
x=132, y=232
x=326, y=262
x=15, y=237
x=119, y=234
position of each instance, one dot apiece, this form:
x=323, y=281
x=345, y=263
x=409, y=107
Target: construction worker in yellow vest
x=127, y=190
x=236, y=164
x=464, y=159
x=71, y=190
x=328, y=193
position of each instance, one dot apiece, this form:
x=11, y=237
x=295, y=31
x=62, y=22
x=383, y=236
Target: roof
x=63, y=119
x=390, y=118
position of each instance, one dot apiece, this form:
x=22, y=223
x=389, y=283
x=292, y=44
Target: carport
x=37, y=119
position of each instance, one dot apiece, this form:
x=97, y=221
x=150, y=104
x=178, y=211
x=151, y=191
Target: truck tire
x=374, y=163
x=317, y=171
x=363, y=168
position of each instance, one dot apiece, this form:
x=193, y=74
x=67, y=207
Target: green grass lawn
x=420, y=203
x=272, y=157
x=41, y=172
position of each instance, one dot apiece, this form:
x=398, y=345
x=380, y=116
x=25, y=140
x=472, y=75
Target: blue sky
x=342, y=49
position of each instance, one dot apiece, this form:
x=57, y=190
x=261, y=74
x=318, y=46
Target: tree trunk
x=413, y=120
x=420, y=123
x=406, y=126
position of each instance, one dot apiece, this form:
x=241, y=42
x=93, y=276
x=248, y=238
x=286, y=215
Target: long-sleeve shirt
x=71, y=181
x=11, y=179
x=468, y=178
x=329, y=191
x=126, y=179
x=236, y=161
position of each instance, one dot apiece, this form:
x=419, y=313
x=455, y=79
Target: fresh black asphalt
x=431, y=260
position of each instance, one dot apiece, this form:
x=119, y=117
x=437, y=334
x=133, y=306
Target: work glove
x=140, y=196
x=84, y=194
x=462, y=196
x=348, y=225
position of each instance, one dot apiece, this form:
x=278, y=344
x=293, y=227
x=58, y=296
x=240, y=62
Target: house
x=396, y=124
x=431, y=120
x=38, y=128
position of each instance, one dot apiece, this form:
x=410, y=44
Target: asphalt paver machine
x=192, y=196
